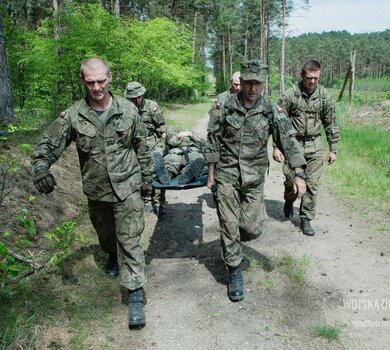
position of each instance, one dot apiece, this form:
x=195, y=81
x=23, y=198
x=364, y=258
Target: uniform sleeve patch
x=155, y=108
x=280, y=110
x=218, y=105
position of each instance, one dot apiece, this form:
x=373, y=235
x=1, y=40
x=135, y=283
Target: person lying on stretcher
x=184, y=158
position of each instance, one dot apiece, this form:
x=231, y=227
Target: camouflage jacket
x=113, y=155
x=186, y=142
x=222, y=97
x=154, y=121
x=309, y=114
x=237, y=140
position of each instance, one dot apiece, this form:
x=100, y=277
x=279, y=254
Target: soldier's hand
x=146, y=189
x=331, y=158
x=299, y=187
x=45, y=182
x=277, y=155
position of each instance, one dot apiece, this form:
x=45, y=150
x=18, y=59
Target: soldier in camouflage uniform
x=235, y=86
x=154, y=120
x=115, y=163
x=238, y=160
x=184, y=159
x=310, y=109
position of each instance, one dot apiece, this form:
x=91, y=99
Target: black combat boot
x=112, y=267
x=236, y=284
x=161, y=172
x=136, y=309
x=288, y=210
x=306, y=228
x=191, y=171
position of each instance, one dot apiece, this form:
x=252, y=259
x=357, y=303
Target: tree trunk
x=194, y=36
x=117, y=10
x=6, y=102
x=282, y=53
x=262, y=30
x=230, y=51
x=223, y=61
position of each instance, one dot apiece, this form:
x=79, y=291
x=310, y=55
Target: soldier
x=154, y=120
x=310, y=109
x=235, y=86
x=184, y=159
x=115, y=164
x=238, y=159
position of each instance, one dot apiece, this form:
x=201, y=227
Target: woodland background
x=172, y=47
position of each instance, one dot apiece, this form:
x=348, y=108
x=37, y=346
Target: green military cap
x=254, y=70
x=134, y=89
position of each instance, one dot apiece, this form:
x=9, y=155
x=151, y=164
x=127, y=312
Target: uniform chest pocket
x=123, y=131
x=231, y=127
x=86, y=136
x=313, y=108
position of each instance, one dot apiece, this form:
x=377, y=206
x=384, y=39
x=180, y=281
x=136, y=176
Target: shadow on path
x=181, y=234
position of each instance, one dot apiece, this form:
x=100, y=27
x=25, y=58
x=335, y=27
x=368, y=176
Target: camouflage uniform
x=309, y=115
x=154, y=121
x=114, y=160
x=181, y=152
x=222, y=97
x=238, y=145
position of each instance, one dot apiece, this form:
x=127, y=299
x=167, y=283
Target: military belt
x=306, y=138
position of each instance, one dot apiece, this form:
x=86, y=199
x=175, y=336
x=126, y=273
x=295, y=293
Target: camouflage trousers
x=241, y=214
x=119, y=227
x=176, y=163
x=156, y=199
x=314, y=158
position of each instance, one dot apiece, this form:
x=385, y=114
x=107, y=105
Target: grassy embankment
x=361, y=174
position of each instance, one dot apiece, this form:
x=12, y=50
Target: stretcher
x=174, y=185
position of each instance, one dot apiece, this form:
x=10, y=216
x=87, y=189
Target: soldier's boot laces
x=112, y=267
x=236, y=284
x=192, y=171
x=161, y=172
x=306, y=228
x=288, y=210
x=136, y=309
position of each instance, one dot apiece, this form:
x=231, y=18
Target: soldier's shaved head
x=235, y=84
x=94, y=63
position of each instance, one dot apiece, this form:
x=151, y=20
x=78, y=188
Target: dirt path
x=346, y=283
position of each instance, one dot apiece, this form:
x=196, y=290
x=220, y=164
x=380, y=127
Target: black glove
x=44, y=181
x=146, y=189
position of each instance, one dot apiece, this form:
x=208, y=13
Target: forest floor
x=293, y=283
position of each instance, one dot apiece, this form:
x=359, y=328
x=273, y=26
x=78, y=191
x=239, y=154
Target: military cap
x=134, y=89
x=254, y=70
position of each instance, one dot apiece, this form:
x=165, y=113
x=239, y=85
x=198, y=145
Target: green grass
x=295, y=268
x=266, y=283
x=185, y=117
x=66, y=301
x=362, y=170
x=328, y=331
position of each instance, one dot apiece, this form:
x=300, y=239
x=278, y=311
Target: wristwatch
x=301, y=175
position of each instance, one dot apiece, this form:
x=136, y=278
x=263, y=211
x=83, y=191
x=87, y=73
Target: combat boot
x=161, y=172
x=288, y=210
x=306, y=228
x=236, y=284
x=136, y=308
x=191, y=171
x=112, y=267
